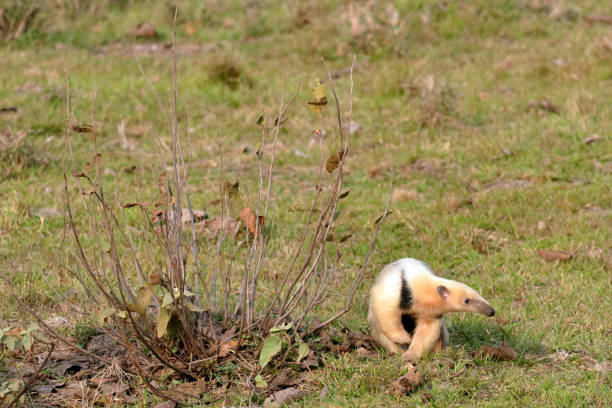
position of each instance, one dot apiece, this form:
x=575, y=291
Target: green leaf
x=122, y=314
x=271, y=347
x=167, y=300
x=192, y=307
x=162, y=322
x=105, y=314
x=27, y=341
x=188, y=293
x=303, y=351
x=282, y=327
x=4, y=330
x=260, y=382
x=10, y=342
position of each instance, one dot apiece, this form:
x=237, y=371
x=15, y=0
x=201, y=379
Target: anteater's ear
x=443, y=292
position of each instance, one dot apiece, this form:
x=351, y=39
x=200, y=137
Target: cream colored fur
x=432, y=296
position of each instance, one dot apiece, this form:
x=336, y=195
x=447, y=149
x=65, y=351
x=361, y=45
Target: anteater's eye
x=466, y=301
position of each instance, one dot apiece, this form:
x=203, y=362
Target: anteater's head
x=461, y=298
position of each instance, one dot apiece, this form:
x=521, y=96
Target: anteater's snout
x=491, y=312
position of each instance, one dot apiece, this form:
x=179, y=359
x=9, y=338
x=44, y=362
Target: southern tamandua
x=407, y=304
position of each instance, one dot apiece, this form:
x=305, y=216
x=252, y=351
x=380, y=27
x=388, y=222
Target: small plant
x=18, y=340
x=195, y=310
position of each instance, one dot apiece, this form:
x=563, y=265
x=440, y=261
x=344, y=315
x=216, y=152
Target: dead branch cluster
x=170, y=304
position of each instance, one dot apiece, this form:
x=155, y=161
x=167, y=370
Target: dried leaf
x=502, y=353
x=312, y=361
x=82, y=128
x=189, y=392
x=406, y=383
x=334, y=161
x=165, y=404
x=552, y=256
x=592, y=138
x=598, y=18
x=71, y=367
x=319, y=101
x=145, y=30
x=142, y=301
x=547, y=105
x=216, y=225
x=284, y=396
x=248, y=217
x=231, y=189
x=271, y=347
x=227, y=347
x=402, y=194
x=345, y=238
x=345, y=193
x=162, y=322
x=378, y=170
x=317, y=106
x=130, y=205
x=155, y=279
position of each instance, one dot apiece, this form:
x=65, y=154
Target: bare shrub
x=170, y=299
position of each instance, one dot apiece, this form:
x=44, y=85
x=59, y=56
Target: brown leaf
x=312, y=361
x=378, y=171
x=248, y=217
x=82, y=128
x=8, y=109
x=402, y=194
x=345, y=193
x=71, y=367
x=283, y=396
x=406, y=383
x=502, y=353
x=75, y=390
x=318, y=104
x=218, y=224
x=334, y=161
x=228, y=346
x=231, y=189
x=592, y=138
x=189, y=392
x=551, y=255
x=364, y=352
x=155, y=278
x=165, y=404
x=547, y=105
x=145, y=30
x=598, y=18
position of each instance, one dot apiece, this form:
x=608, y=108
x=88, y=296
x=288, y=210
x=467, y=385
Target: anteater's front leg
x=426, y=334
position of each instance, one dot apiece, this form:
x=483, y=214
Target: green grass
x=489, y=61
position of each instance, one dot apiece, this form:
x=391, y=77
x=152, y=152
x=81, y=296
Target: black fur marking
x=406, y=295
x=409, y=323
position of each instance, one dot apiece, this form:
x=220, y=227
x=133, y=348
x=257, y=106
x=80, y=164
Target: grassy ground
x=451, y=99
